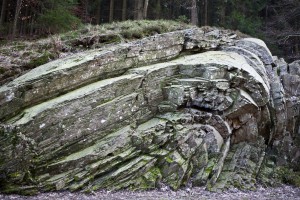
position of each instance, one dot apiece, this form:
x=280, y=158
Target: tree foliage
x=57, y=17
x=244, y=15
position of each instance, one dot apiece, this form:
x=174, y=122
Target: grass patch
x=30, y=54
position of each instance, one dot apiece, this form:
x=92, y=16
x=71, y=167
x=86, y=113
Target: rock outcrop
x=193, y=107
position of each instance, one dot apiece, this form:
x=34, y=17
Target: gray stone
x=164, y=110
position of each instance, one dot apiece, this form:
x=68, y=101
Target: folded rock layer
x=190, y=107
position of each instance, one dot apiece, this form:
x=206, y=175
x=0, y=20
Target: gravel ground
x=199, y=193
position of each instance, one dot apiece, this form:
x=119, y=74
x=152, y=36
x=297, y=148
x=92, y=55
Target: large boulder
x=188, y=107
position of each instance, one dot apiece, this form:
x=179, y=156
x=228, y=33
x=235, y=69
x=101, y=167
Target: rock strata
x=183, y=108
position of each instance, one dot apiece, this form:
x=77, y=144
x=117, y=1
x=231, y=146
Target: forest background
x=277, y=22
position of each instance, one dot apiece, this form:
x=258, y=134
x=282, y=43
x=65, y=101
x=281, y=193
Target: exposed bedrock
x=193, y=107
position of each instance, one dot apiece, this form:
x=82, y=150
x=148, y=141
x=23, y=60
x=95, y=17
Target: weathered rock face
x=187, y=107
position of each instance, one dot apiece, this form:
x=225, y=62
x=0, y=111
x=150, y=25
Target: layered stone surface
x=183, y=108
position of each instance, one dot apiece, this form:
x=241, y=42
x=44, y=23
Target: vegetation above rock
x=20, y=56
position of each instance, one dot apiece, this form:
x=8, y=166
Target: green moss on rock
x=43, y=59
x=288, y=176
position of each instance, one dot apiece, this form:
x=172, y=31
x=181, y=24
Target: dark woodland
x=275, y=21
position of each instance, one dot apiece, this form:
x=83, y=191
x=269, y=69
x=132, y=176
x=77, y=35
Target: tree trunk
x=17, y=13
x=3, y=12
x=296, y=46
x=87, y=14
x=135, y=10
x=172, y=10
x=27, y=20
x=266, y=16
x=98, y=12
x=111, y=11
x=31, y=24
x=205, y=13
x=222, y=13
x=194, y=13
x=140, y=10
x=124, y=9
x=146, y=8
x=158, y=9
